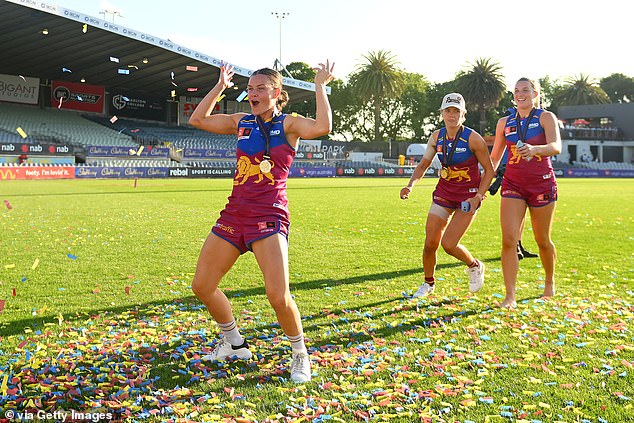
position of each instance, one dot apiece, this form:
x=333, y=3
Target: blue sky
x=558, y=38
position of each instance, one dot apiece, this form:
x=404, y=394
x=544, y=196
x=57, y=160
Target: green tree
x=619, y=87
x=482, y=87
x=403, y=117
x=301, y=71
x=580, y=90
x=377, y=79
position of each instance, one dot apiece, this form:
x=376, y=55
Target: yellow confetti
x=9, y=266
x=221, y=97
x=21, y=132
x=35, y=264
x=138, y=153
x=84, y=28
x=4, y=386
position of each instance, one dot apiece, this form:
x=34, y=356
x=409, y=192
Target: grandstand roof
x=26, y=51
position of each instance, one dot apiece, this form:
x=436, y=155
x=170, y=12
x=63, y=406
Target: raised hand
x=324, y=73
x=226, y=75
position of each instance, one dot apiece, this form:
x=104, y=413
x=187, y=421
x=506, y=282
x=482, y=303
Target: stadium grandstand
x=78, y=90
x=103, y=100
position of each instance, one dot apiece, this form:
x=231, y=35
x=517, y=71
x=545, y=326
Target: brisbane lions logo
x=246, y=169
x=459, y=174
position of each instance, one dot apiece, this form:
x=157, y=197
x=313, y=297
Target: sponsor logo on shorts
x=510, y=193
x=266, y=226
x=544, y=197
x=226, y=228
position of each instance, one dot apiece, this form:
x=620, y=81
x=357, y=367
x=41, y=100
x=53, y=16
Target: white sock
x=231, y=333
x=297, y=343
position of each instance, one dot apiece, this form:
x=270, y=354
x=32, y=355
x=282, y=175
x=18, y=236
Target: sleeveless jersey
x=518, y=170
x=256, y=193
x=463, y=166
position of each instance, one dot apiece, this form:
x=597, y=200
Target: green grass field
x=99, y=315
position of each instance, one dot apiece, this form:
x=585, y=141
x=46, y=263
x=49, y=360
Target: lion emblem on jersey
x=515, y=156
x=246, y=169
x=459, y=174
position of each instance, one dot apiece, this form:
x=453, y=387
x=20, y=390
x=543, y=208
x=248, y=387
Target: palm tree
x=580, y=90
x=482, y=87
x=377, y=79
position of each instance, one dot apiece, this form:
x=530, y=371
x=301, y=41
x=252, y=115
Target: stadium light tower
x=279, y=16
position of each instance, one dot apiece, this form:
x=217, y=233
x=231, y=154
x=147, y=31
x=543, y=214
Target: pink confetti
x=191, y=68
x=61, y=100
x=1, y=305
x=114, y=119
x=9, y=206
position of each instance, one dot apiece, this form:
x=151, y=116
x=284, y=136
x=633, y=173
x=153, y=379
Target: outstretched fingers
x=226, y=74
x=324, y=72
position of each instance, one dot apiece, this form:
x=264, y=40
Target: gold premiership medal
x=265, y=166
x=444, y=173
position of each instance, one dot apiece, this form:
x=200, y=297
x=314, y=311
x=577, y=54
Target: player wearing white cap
x=458, y=194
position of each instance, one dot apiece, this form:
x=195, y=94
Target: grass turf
x=103, y=319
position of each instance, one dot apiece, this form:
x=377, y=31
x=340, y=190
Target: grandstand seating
x=225, y=164
x=58, y=126
x=365, y=164
x=9, y=137
x=604, y=165
x=127, y=163
x=149, y=133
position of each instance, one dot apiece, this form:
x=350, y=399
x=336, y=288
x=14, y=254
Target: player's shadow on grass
x=18, y=326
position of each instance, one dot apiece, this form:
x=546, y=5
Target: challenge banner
x=19, y=89
x=83, y=97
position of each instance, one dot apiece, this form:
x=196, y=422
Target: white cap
x=453, y=100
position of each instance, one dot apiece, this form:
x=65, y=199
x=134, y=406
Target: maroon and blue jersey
x=463, y=174
x=257, y=193
x=518, y=170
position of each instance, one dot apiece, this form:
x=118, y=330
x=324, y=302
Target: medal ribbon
x=266, y=133
x=445, y=159
x=521, y=132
